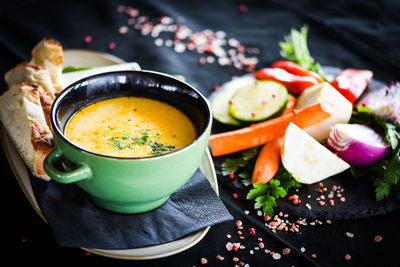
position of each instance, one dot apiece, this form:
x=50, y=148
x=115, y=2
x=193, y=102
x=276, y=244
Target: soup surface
x=130, y=127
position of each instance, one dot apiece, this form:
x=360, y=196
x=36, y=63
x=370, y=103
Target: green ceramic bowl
x=127, y=185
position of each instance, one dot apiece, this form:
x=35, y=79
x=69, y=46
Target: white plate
x=76, y=57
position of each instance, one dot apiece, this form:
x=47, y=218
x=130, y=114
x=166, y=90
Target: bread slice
x=22, y=116
x=31, y=73
x=49, y=52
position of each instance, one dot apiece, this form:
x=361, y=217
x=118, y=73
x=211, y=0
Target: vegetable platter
x=288, y=128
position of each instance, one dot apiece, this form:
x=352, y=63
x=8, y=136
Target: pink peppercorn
x=231, y=175
x=243, y=8
x=252, y=231
x=111, y=46
x=87, y=39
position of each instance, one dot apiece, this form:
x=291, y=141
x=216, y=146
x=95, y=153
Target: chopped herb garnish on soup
x=129, y=142
x=130, y=127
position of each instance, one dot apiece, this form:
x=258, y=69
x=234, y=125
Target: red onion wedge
x=356, y=144
x=384, y=102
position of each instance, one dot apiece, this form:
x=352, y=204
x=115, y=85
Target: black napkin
x=77, y=222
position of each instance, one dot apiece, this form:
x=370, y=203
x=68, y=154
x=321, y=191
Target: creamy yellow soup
x=130, y=127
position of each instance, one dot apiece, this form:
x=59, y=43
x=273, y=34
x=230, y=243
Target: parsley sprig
x=385, y=173
x=243, y=165
x=294, y=48
x=265, y=195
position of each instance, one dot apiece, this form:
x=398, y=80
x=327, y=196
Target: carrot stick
x=263, y=132
x=267, y=163
x=290, y=105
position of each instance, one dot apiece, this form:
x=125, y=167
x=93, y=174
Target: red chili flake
x=86, y=253
x=160, y=19
x=231, y=175
x=209, y=49
x=253, y=114
x=111, y=46
x=87, y=39
x=238, y=223
x=267, y=218
x=235, y=195
x=235, y=247
x=243, y=8
x=216, y=87
x=296, y=201
x=252, y=231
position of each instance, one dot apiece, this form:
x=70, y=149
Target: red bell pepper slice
x=295, y=84
x=351, y=83
x=296, y=69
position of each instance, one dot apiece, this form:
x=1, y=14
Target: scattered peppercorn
x=351, y=235
x=203, y=261
x=285, y=251
x=252, y=231
x=112, y=46
x=378, y=238
x=87, y=39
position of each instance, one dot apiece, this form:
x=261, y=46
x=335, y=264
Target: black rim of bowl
x=56, y=127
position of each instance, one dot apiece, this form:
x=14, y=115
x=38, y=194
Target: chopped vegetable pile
x=306, y=128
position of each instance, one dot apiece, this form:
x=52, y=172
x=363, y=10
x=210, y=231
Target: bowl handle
x=81, y=172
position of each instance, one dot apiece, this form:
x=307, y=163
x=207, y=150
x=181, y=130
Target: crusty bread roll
x=23, y=118
x=30, y=73
x=49, y=52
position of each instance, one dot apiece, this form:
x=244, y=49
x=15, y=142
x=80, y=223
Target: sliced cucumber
x=263, y=100
x=220, y=101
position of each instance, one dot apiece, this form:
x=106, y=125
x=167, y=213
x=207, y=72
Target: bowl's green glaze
x=128, y=185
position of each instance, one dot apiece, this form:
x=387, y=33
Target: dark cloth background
x=359, y=34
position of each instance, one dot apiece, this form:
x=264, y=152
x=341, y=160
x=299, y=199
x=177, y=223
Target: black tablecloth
x=359, y=34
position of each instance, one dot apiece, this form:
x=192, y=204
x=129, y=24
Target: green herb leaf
x=258, y=190
x=246, y=177
x=294, y=48
x=382, y=189
x=244, y=160
x=265, y=195
x=393, y=169
x=391, y=135
x=74, y=68
x=276, y=190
